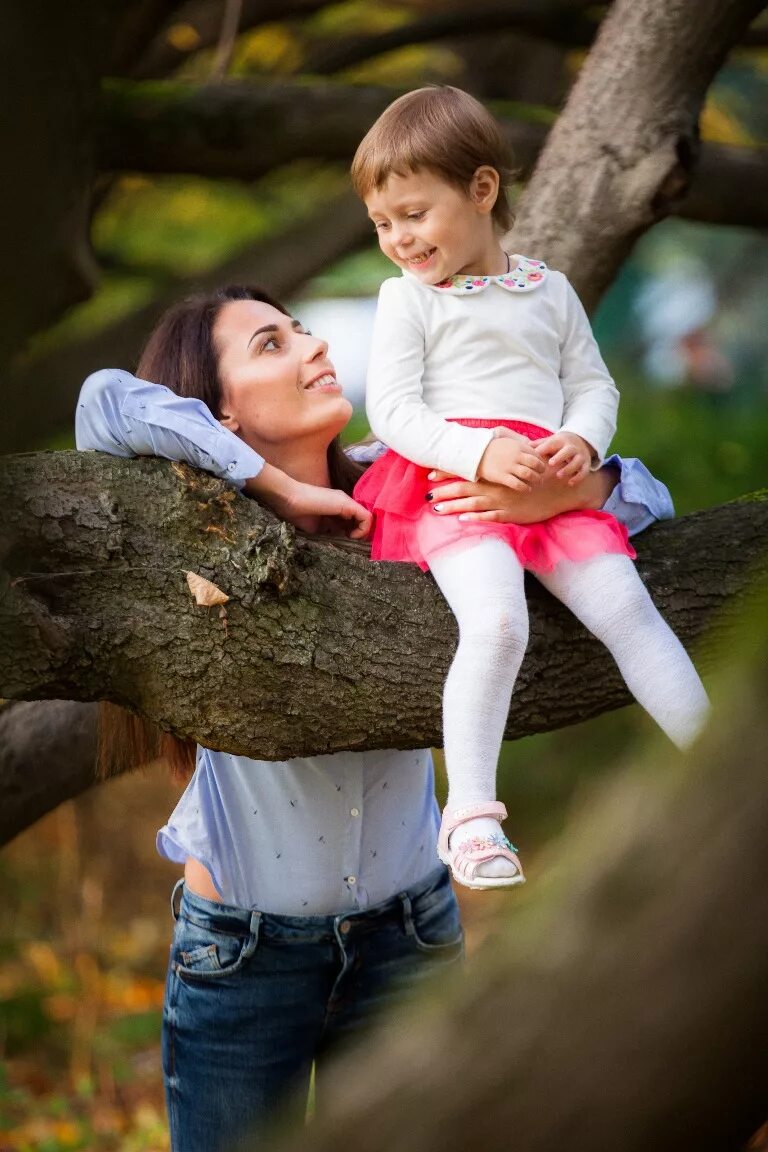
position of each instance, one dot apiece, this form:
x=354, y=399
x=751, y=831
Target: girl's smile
x=434, y=229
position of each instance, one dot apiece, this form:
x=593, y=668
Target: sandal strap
x=452, y=817
x=466, y=858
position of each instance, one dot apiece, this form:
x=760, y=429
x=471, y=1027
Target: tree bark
x=628, y=136
x=280, y=265
x=331, y=651
x=624, y=1004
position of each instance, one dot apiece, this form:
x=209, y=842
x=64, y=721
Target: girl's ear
x=484, y=188
x=229, y=422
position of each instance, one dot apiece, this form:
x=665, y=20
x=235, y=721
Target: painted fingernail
x=429, y=496
x=437, y=507
x=432, y=476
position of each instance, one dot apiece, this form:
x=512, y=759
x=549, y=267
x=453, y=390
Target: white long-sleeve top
x=512, y=347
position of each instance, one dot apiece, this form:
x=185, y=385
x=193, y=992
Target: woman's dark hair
x=181, y=354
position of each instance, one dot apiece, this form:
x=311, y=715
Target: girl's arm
x=119, y=414
x=591, y=397
x=394, y=401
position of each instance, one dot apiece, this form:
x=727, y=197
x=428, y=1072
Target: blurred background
x=85, y=924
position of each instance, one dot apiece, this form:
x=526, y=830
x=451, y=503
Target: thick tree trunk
x=331, y=651
x=624, y=1005
x=628, y=136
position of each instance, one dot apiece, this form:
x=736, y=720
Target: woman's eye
x=270, y=340
x=416, y=215
x=380, y=226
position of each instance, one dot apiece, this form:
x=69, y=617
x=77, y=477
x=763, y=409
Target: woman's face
x=277, y=383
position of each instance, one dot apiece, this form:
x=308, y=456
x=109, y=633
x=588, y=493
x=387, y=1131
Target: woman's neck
x=305, y=463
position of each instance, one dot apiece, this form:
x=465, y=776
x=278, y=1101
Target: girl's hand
x=305, y=505
x=496, y=502
x=509, y=459
x=570, y=455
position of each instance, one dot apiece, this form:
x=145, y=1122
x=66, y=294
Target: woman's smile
x=278, y=384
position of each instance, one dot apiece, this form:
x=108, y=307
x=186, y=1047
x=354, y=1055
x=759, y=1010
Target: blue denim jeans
x=252, y=1000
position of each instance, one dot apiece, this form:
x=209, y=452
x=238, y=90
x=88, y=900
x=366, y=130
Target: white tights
x=483, y=585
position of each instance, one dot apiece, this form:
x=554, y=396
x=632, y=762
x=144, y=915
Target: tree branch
x=47, y=756
x=203, y=21
x=218, y=131
x=560, y=22
x=96, y=602
x=628, y=136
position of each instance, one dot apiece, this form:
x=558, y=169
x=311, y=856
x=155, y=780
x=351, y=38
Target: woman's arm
x=623, y=487
x=119, y=414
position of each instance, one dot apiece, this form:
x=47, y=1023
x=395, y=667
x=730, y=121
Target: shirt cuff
x=236, y=462
x=639, y=499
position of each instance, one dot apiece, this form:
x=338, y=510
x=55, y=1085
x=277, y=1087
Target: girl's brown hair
x=443, y=130
x=181, y=354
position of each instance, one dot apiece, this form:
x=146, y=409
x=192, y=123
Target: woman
x=307, y=900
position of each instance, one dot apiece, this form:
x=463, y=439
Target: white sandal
x=463, y=860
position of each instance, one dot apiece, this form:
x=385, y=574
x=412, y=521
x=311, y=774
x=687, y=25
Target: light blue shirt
x=319, y=835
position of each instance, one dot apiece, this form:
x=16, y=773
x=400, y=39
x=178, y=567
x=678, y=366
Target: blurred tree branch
x=219, y=131
x=47, y=756
x=560, y=21
x=201, y=22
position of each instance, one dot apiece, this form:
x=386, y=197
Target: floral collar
x=524, y=277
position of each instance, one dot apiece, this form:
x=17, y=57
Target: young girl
x=484, y=366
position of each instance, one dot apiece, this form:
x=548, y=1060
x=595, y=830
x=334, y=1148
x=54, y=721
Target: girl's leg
x=608, y=596
x=483, y=585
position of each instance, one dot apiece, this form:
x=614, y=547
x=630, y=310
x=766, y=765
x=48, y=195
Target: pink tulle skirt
x=407, y=528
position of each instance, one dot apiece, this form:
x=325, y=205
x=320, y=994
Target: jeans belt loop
x=176, y=904
x=405, y=901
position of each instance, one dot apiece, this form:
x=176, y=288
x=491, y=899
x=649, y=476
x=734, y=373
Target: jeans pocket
x=436, y=924
x=203, y=952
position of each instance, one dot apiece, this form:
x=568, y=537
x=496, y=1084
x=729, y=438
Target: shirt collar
x=524, y=277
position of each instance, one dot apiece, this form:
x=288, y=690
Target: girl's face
x=277, y=383
x=434, y=230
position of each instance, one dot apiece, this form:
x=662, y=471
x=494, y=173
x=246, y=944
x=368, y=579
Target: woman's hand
x=307, y=506
x=496, y=502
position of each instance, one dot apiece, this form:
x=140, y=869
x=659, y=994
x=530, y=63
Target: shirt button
x=351, y=879
x=345, y=926
x=354, y=811
x=231, y=467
